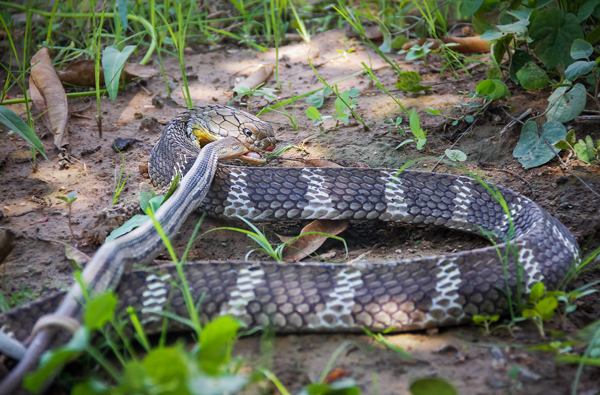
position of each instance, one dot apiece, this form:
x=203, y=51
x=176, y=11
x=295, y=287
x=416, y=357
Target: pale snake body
x=404, y=295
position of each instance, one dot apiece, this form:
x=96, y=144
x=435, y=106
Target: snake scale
x=409, y=294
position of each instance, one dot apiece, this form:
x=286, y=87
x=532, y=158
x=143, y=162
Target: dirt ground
x=474, y=363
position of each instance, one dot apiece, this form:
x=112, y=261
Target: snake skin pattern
x=404, y=295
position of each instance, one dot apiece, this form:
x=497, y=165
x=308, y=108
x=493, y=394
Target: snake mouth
x=252, y=157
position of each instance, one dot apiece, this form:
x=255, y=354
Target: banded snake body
x=405, y=295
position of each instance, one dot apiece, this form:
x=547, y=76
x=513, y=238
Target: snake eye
x=247, y=132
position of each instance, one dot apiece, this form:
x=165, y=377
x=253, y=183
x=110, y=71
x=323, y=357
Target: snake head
x=213, y=122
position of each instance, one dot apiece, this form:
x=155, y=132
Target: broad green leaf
x=566, y=103
x=519, y=60
x=113, y=62
x=586, y=9
x=581, y=49
x=215, y=343
x=569, y=141
x=531, y=150
x=431, y=386
x=456, y=155
x=71, y=195
x=17, y=125
x=122, y=11
x=354, y=92
x=410, y=81
x=167, y=367
x=585, y=150
x=469, y=7
x=532, y=77
x=579, y=69
x=312, y=113
x=478, y=319
x=494, y=73
x=340, y=106
x=499, y=49
x=134, y=222
x=155, y=203
x=495, y=89
x=145, y=197
x=399, y=41
x=553, y=34
x=594, y=36
x=55, y=359
x=100, y=310
x=527, y=313
x=405, y=142
x=537, y=292
x=547, y=306
x=521, y=15
x=345, y=386
x=386, y=46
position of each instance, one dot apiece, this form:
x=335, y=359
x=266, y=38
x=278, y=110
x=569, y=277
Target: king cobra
x=410, y=294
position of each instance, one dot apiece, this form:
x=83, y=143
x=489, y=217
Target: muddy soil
x=476, y=364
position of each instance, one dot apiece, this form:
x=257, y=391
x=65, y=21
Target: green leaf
x=91, y=387
x=122, y=10
x=17, y=125
x=456, y=155
x=354, y=92
x=167, y=368
x=155, y=203
x=113, y=62
x=215, y=343
x=134, y=222
x=499, y=48
x=346, y=386
x=537, y=292
x=531, y=150
x=312, y=113
x=581, y=49
x=585, y=150
x=145, y=197
x=410, y=81
x=569, y=141
x=431, y=386
x=594, y=36
x=566, y=103
x=399, y=41
x=528, y=313
x=579, y=69
x=340, y=106
x=586, y=9
x=55, y=359
x=63, y=198
x=478, y=319
x=519, y=60
x=495, y=89
x=494, y=73
x=469, y=7
x=71, y=195
x=553, y=34
x=100, y=310
x=532, y=77
x=547, y=306
x=386, y=46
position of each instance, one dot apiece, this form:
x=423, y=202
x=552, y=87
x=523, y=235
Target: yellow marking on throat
x=204, y=137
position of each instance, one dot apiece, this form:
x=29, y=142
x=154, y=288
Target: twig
x=483, y=165
x=514, y=120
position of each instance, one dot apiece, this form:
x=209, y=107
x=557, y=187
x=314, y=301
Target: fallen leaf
x=261, y=75
x=82, y=73
x=49, y=96
x=304, y=246
x=465, y=44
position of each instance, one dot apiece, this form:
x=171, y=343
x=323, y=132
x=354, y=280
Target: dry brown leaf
x=48, y=94
x=465, y=44
x=82, y=73
x=261, y=75
x=304, y=246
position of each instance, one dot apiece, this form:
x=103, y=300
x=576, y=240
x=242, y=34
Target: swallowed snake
x=404, y=295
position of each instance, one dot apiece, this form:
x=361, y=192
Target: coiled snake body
x=408, y=294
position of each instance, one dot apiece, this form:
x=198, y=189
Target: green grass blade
x=15, y=123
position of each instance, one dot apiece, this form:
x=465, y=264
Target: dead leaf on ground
x=49, y=96
x=304, y=246
x=258, y=76
x=465, y=44
x=82, y=73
